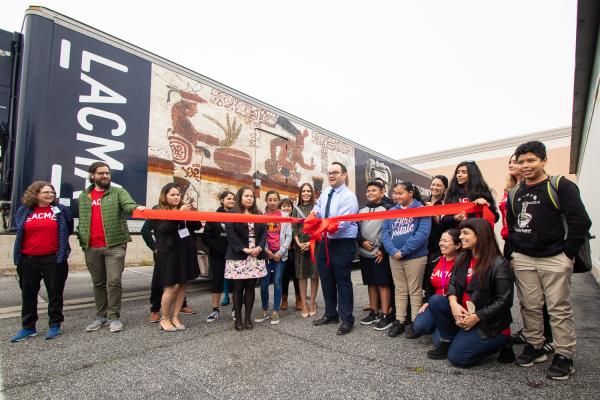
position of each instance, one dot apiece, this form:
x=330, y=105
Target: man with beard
x=103, y=236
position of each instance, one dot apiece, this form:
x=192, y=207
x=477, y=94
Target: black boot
x=439, y=353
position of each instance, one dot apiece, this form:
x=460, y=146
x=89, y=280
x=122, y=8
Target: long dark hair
x=312, y=194
x=162, y=198
x=239, y=208
x=409, y=187
x=487, y=247
x=476, y=185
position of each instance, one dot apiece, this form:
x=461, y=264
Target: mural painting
x=208, y=140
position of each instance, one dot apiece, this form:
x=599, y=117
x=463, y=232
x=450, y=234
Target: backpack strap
x=510, y=198
x=552, y=187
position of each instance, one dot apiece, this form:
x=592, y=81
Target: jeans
x=275, y=269
x=31, y=270
x=467, y=348
x=335, y=278
x=425, y=325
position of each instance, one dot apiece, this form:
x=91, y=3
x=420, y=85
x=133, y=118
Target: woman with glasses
x=467, y=185
x=41, y=251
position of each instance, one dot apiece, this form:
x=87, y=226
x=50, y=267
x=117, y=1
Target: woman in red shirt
x=474, y=317
x=436, y=282
x=41, y=251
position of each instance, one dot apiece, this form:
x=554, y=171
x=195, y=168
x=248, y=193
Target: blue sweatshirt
x=407, y=235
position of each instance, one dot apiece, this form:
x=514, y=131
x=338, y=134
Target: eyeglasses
x=48, y=192
x=102, y=173
x=333, y=173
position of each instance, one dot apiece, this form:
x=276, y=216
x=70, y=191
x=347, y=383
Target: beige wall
x=495, y=169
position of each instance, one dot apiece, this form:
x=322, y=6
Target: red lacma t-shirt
x=440, y=277
x=97, y=238
x=40, y=233
x=273, y=231
x=466, y=296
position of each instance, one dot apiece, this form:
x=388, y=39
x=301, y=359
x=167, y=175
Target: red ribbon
x=315, y=227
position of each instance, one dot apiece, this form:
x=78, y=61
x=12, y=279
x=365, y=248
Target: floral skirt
x=249, y=268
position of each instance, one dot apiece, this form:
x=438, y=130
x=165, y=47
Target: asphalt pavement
x=292, y=360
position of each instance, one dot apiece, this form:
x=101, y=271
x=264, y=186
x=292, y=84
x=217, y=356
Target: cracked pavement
x=292, y=359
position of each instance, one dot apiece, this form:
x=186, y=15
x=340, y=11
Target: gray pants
x=106, y=266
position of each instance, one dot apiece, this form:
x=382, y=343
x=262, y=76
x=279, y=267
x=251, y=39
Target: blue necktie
x=329, y=196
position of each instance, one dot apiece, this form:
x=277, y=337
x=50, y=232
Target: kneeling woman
x=176, y=257
x=436, y=281
x=474, y=319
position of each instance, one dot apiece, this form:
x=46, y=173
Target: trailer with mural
x=79, y=95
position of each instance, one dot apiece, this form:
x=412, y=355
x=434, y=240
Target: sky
x=404, y=78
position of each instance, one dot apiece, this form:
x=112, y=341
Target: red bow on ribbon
x=315, y=228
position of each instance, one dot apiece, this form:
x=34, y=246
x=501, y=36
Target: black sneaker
x=410, y=334
x=371, y=318
x=396, y=329
x=439, y=353
x=384, y=323
x=531, y=356
x=518, y=338
x=561, y=368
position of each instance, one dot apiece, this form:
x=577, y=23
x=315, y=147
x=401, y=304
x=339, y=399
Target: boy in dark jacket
x=545, y=234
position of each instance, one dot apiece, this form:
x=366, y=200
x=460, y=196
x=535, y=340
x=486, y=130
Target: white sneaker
x=115, y=326
x=96, y=324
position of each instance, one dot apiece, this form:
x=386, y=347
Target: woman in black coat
x=474, y=317
x=215, y=238
x=245, y=256
x=176, y=256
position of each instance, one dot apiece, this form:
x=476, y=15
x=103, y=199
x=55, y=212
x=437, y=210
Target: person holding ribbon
x=245, y=256
x=305, y=268
x=41, y=251
x=176, y=257
x=289, y=270
x=438, y=187
x=374, y=262
x=467, y=184
x=436, y=281
x=338, y=249
x=279, y=238
x=474, y=316
x=215, y=237
x=405, y=240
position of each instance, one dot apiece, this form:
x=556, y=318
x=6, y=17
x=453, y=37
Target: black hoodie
x=536, y=226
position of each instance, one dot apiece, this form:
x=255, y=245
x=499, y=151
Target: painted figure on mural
x=285, y=155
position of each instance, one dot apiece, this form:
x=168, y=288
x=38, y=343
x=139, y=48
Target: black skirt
x=180, y=263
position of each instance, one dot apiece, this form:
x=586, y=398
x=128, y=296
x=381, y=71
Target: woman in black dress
x=176, y=256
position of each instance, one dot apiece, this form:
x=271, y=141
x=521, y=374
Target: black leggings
x=243, y=293
x=289, y=274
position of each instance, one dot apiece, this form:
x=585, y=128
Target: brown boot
x=298, y=303
x=284, y=303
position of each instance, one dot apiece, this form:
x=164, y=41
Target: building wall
x=495, y=169
x=589, y=163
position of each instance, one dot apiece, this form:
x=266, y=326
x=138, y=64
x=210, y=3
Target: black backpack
x=583, y=258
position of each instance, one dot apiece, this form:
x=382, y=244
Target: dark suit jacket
x=237, y=236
